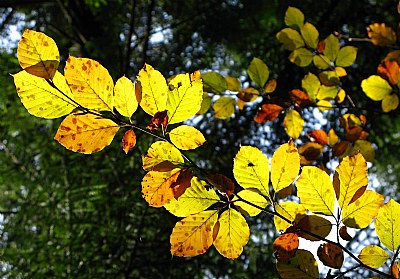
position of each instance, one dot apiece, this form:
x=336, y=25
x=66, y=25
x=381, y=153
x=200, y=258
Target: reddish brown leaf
x=160, y=119
x=354, y=133
x=248, y=94
x=300, y=98
x=285, y=247
x=222, y=183
x=182, y=182
x=128, y=141
x=319, y=136
x=321, y=46
x=165, y=166
x=344, y=234
x=330, y=255
x=339, y=148
x=309, y=152
x=358, y=194
x=285, y=192
x=394, y=270
x=268, y=112
x=389, y=70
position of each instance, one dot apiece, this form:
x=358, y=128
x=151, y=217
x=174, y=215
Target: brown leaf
x=128, y=141
x=285, y=192
x=330, y=255
x=321, y=46
x=165, y=166
x=270, y=86
x=381, y=35
x=309, y=152
x=344, y=234
x=248, y=94
x=222, y=183
x=160, y=119
x=354, y=133
x=339, y=148
x=358, y=194
x=319, y=136
x=300, y=98
x=285, y=247
x=182, y=182
x=389, y=70
x=268, y=112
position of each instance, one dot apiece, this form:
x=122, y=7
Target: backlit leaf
x=330, y=255
x=311, y=84
x=321, y=62
x=290, y=38
x=376, y=87
x=302, y=57
x=258, y=71
x=346, y=56
x=329, y=78
x=310, y=35
x=213, y=82
x=233, y=84
x=90, y=83
x=327, y=92
x=40, y=98
x=360, y=213
x=253, y=197
x=154, y=90
x=233, y=234
x=224, y=107
x=353, y=177
x=309, y=152
x=291, y=210
x=300, y=98
x=186, y=137
x=250, y=168
x=302, y=266
x=38, y=54
x=205, y=103
x=285, y=166
x=194, y=200
x=319, y=136
x=315, y=190
x=224, y=184
x=333, y=138
x=373, y=256
x=184, y=97
x=387, y=225
x=294, y=18
x=366, y=149
x=86, y=133
x=159, y=120
x=159, y=152
x=128, y=141
x=293, y=123
x=285, y=247
x=270, y=86
x=193, y=235
x=324, y=105
x=390, y=102
x=332, y=47
x=268, y=112
x=125, y=99
x=314, y=224
x=390, y=71
x=381, y=34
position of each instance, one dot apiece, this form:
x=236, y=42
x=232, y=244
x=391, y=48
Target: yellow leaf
x=327, y=92
x=293, y=123
x=321, y=62
x=294, y=18
x=233, y=234
x=310, y=83
x=303, y=266
x=40, y=98
x=159, y=152
x=353, y=177
x=373, y=256
x=224, y=107
x=291, y=210
x=290, y=38
x=387, y=225
x=341, y=72
x=324, y=105
x=346, y=56
x=302, y=57
x=38, y=54
x=154, y=90
x=360, y=213
x=310, y=35
x=193, y=235
x=341, y=95
x=86, y=133
x=390, y=102
x=376, y=87
x=184, y=97
x=315, y=190
x=205, y=104
x=90, y=83
x=195, y=199
x=125, y=100
x=285, y=166
x=333, y=138
x=156, y=186
x=250, y=168
x=253, y=197
x=186, y=137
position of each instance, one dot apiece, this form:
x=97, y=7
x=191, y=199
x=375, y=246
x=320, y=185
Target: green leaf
x=311, y=84
x=321, y=62
x=327, y=92
x=332, y=47
x=376, y=87
x=303, y=265
x=294, y=18
x=233, y=84
x=213, y=82
x=224, y=107
x=346, y=56
x=205, y=103
x=291, y=39
x=329, y=78
x=310, y=35
x=258, y=71
x=366, y=149
x=387, y=225
x=302, y=57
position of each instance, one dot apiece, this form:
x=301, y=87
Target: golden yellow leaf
x=86, y=133
x=353, y=177
x=303, y=266
x=224, y=107
x=38, y=54
x=186, y=137
x=315, y=190
x=324, y=105
x=341, y=95
x=125, y=99
x=332, y=137
x=285, y=247
x=159, y=152
x=293, y=123
x=195, y=199
x=387, y=225
x=154, y=90
x=40, y=98
x=291, y=210
x=90, y=83
x=390, y=102
x=376, y=87
x=360, y=213
x=233, y=234
x=193, y=235
x=285, y=166
x=253, y=197
x=250, y=168
x=184, y=97
x=381, y=34
x=373, y=256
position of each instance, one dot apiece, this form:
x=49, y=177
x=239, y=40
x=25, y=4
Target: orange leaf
x=394, y=270
x=319, y=136
x=389, y=70
x=321, y=46
x=285, y=247
x=270, y=86
x=299, y=97
x=344, y=234
x=159, y=119
x=381, y=35
x=330, y=255
x=268, y=112
x=222, y=183
x=182, y=182
x=128, y=141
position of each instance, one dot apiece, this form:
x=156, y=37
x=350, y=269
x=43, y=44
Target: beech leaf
x=125, y=99
x=186, y=137
x=293, y=123
x=373, y=256
x=387, y=225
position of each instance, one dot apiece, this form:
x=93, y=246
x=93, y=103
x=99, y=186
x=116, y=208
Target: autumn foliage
x=306, y=200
